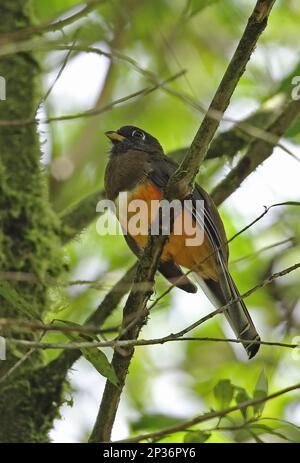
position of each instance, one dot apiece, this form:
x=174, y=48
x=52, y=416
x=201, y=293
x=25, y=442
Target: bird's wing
x=224, y=290
x=170, y=270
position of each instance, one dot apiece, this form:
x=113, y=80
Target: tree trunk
x=29, y=241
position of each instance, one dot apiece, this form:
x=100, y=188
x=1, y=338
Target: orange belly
x=176, y=249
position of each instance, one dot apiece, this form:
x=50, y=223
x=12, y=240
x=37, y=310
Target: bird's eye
x=138, y=134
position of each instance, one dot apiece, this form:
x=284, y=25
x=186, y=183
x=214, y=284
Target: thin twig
x=92, y=112
x=21, y=360
x=174, y=336
x=188, y=272
x=254, y=254
x=143, y=342
x=17, y=365
x=26, y=33
x=13, y=324
x=61, y=70
x=243, y=126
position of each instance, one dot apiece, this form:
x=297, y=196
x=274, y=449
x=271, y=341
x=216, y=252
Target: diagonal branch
x=179, y=185
x=78, y=217
x=188, y=169
x=258, y=152
x=92, y=112
x=233, y=140
x=66, y=359
x=211, y=415
x=172, y=337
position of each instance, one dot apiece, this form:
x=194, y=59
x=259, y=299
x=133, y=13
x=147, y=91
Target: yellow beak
x=114, y=136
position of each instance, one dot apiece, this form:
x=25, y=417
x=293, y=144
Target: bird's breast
x=137, y=208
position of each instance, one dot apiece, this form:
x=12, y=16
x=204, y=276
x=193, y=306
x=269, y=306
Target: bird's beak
x=114, y=136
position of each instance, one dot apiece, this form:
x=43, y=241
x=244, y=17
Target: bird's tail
x=220, y=293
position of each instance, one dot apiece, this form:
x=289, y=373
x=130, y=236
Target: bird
x=139, y=167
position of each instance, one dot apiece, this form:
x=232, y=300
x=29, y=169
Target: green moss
x=29, y=239
x=29, y=228
x=36, y=398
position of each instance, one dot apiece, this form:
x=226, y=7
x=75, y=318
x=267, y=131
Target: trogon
x=139, y=167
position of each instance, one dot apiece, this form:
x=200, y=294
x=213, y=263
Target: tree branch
x=178, y=186
x=26, y=33
x=25, y=326
x=60, y=192
x=89, y=113
x=172, y=337
x=258, y=152
x=66, y=359
x=229, y=142
x=133, y=342
x=78, y=217
x=188, y=169
x=209, y=416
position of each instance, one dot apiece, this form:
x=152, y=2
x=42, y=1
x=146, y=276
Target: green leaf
x=223, y=392
x=94, y=355
x=99, y=360
x=260, y=391
x=290, y=430
x=257, y=439
x=44, y=11
x=9, y=293
x=264, y=429
x=153, y=421
x=194, y=7
x=196, y=437
x=242, y=396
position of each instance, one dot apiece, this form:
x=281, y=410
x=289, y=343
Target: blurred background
x=151, y=41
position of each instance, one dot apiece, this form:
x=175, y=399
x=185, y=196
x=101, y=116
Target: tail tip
x=252, y=349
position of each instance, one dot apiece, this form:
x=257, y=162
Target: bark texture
x=29, y=240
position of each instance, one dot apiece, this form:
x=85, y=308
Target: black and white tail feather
x=220, y=293
x=223, y=291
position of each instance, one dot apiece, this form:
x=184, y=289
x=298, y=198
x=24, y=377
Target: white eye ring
x=138, y=134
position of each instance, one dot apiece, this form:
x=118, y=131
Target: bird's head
x=131, y=137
